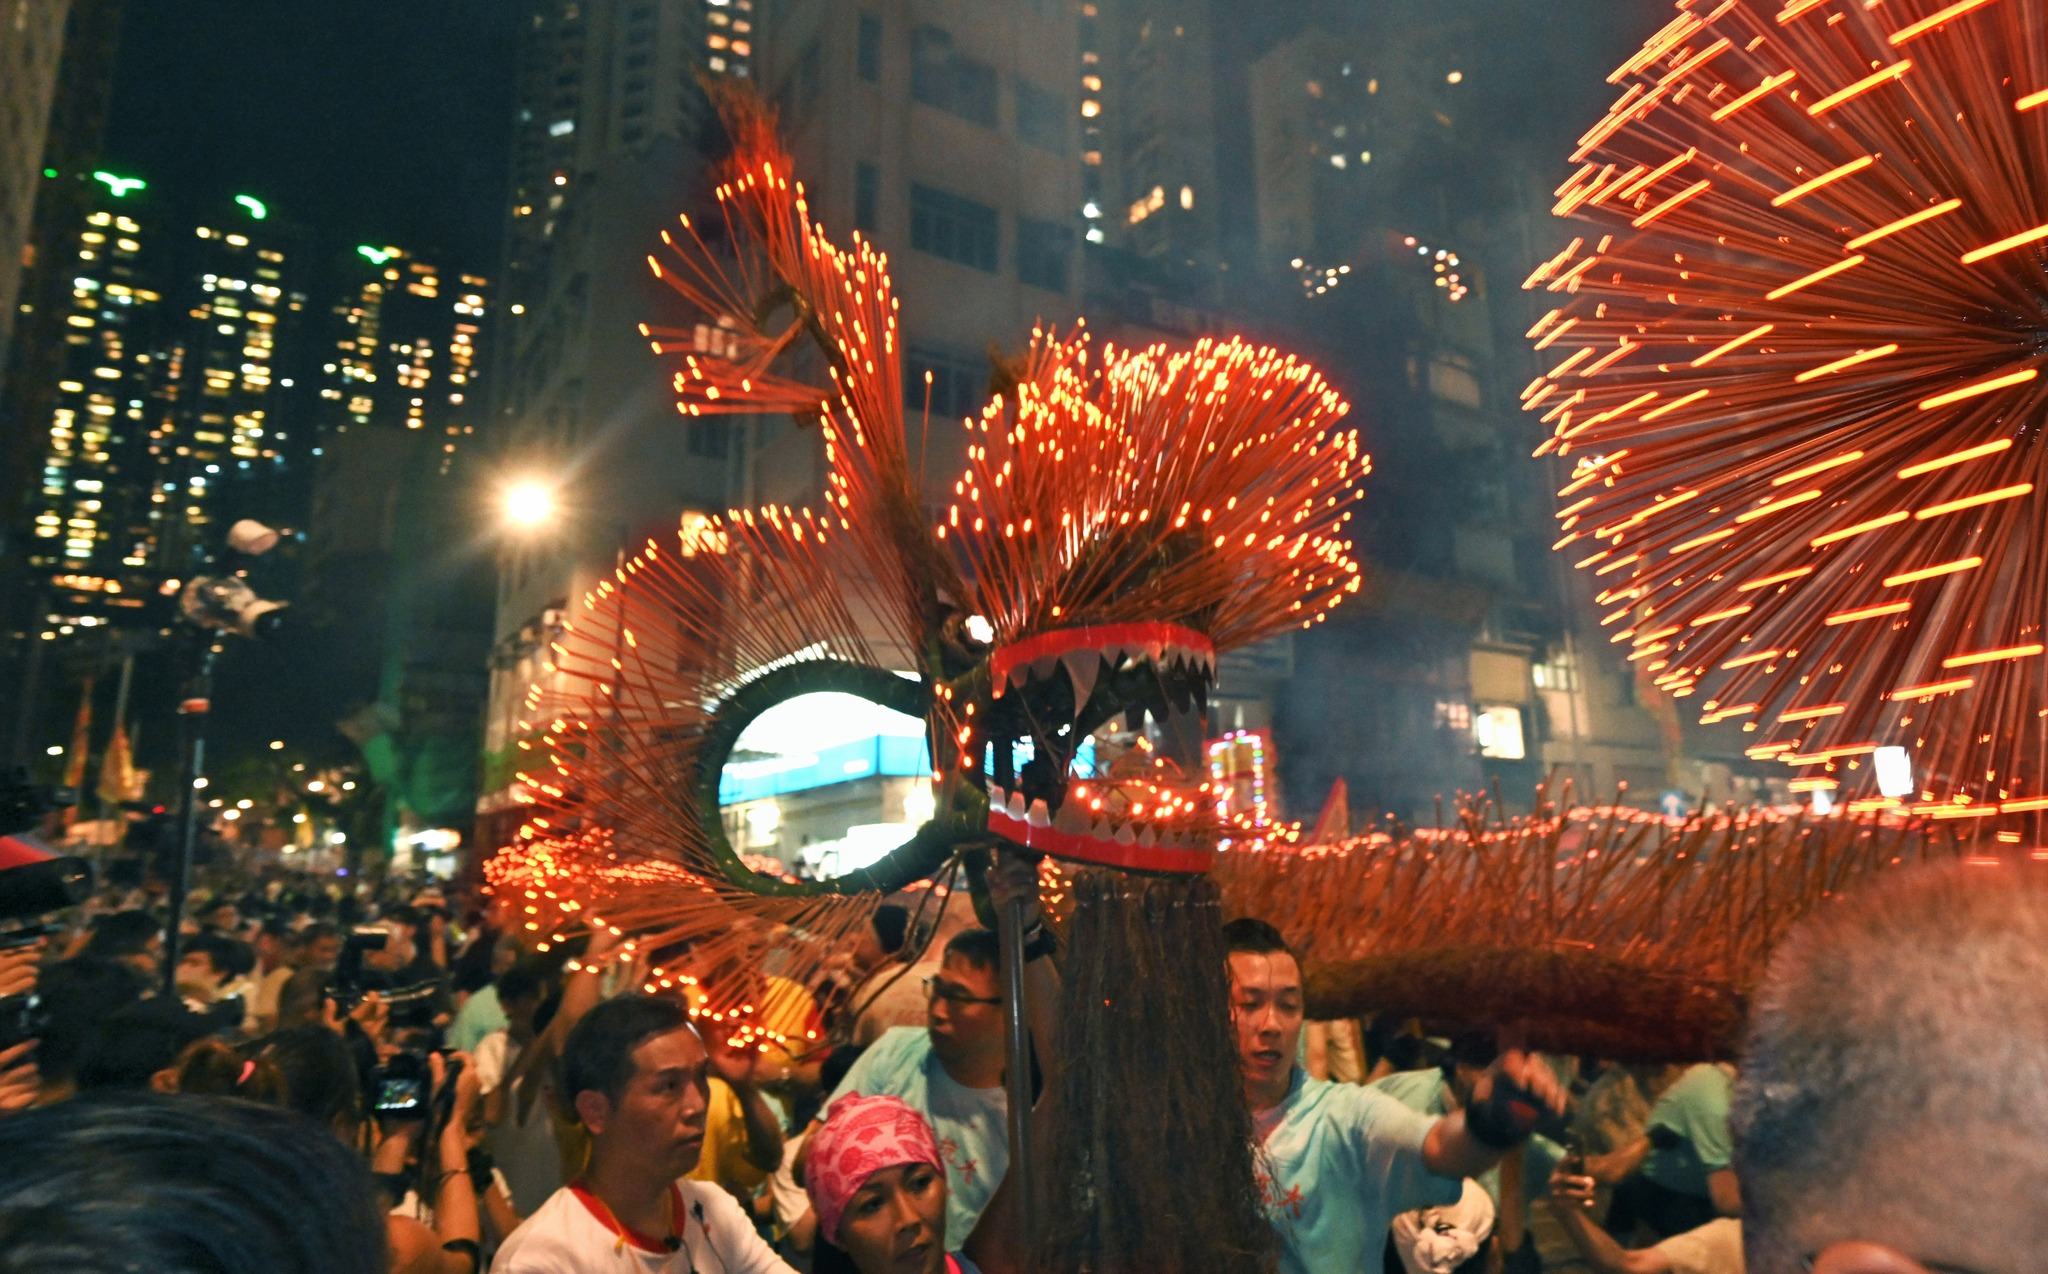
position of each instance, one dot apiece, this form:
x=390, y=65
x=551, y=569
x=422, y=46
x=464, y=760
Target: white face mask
x=1439, y=1240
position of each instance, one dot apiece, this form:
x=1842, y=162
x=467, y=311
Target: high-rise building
x=225, y=440
x=405, y=336
x=1158, y=197
x=608, y=147
x=99, y=512
x=953, y=147
x=729, y=37
x=31, y=47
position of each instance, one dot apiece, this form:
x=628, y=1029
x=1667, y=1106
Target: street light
x=527, y=505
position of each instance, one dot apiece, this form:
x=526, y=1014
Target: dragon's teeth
x=1014, y=807
x=1037, y=815
x=1082, y=666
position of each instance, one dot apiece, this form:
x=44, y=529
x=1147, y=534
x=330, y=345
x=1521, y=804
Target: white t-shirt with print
x=567, y=1237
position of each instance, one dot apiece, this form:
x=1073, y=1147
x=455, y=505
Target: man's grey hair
x=1895, y=1085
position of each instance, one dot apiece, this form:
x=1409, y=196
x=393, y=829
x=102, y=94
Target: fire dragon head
x=1123, y=517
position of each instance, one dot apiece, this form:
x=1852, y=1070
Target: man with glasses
x=951, y=1070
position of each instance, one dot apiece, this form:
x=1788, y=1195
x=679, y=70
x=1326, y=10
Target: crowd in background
x=418, y=1092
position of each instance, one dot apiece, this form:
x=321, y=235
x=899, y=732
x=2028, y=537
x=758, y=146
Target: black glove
x=1506, y=1117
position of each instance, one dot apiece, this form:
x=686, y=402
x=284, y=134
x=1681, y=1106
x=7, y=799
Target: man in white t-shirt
x=638, y=1077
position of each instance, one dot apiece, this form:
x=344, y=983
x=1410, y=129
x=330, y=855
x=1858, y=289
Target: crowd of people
x=338, y=1076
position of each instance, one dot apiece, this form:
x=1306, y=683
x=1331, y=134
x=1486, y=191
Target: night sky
x=384, y=120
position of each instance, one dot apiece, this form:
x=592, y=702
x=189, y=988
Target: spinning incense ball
x=1795, y=372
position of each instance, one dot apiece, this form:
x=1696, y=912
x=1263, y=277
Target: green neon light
x=121, y=186
x=50, y=174
x=377, y=256
x=254, y=205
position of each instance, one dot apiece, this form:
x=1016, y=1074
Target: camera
x=410, y=1007
x=227, y=603
x=22, y=1018
x=348, y=987
x=402, y=1088
x=399, y=1088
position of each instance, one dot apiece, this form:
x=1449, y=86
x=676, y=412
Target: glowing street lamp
x=527, y=505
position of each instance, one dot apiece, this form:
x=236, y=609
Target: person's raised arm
x=455, y=1212
x=736, y=1066
x=1505, y=1105
x=1571, y=1199
x=581, y=990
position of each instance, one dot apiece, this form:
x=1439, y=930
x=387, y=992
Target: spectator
x=636, y=1074
x=77, y=996
x=1892, y=1114
x=1344, y=1160
x=273, y=943
x=211, y=1068
x=274, y=950
x=181, y=1185
x=1676, y=1176
x=894, y=994
x=138, y=1047
x=319, y=947
x=303, y=999
x=951, y=1072
x=321, y=1083
x=1612, y=1112
x=221, y=917
x=1713, y=1248
x=135, y=938
x=878, y=1189
x=484, y=1011
x=213, y=978
x=520, y=990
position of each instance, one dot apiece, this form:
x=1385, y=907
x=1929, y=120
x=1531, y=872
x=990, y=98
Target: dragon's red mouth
x=1150, y=811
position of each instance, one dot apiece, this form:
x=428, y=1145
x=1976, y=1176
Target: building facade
x=100, y=511
x=31, y=49
x=610, y=127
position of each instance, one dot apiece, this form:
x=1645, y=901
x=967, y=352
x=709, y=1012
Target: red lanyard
x=603, y=1213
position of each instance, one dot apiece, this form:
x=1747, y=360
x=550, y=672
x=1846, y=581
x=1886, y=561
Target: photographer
x=320, y=1082
x=422, y=1156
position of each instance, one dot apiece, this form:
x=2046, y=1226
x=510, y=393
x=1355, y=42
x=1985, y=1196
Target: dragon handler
x=1341, y=1161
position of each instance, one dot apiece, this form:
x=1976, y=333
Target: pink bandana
x=860, y=1137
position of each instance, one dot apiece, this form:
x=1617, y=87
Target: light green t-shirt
x=1338, y=1163
x=1688, y=1131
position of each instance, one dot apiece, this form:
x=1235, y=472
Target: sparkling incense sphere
x=1795, y=367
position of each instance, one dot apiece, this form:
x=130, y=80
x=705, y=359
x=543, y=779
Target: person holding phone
x=1713, y=1248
